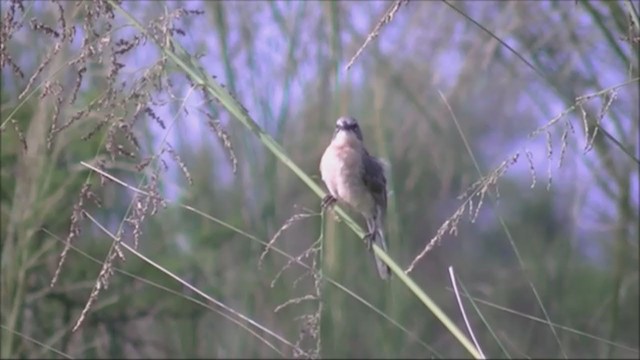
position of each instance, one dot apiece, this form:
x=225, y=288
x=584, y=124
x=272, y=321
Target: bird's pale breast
x=341, y=169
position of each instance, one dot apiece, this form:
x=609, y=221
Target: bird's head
x=347, y=130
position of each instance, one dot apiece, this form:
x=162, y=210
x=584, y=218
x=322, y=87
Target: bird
x=356, y=178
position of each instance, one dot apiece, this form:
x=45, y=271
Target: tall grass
x=178, y=213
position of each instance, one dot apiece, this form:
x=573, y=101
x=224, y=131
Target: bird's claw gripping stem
x=368, y=239
x=328, y=201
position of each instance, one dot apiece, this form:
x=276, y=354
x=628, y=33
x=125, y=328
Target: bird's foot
x=368, y=239
x=328, y=201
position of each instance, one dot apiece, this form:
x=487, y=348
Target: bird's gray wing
x=374, y=180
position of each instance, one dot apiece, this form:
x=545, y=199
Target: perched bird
x=357, y=179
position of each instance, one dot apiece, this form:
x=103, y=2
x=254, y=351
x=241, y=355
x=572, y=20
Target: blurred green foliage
x=575, y=240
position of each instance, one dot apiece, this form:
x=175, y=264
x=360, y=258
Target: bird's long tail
x=376, y=230
x=383, y=269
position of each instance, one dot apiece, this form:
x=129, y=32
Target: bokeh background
x=449, y=94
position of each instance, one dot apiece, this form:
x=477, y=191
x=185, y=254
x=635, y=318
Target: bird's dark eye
x=347, y=127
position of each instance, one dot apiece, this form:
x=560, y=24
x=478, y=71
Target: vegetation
x=160, y=192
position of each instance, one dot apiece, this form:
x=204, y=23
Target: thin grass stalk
x=484, y=320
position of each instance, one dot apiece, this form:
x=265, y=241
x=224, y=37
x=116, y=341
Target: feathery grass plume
x=9, y=25
x=482, y=186
x=176, y=157
x=117, y=108
x=74, y=228
x=287, y=224
x=388, y=16
x=19, y=133
x=216, y=127
x=477, y=190
x=102, y=282
x=309, y=323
